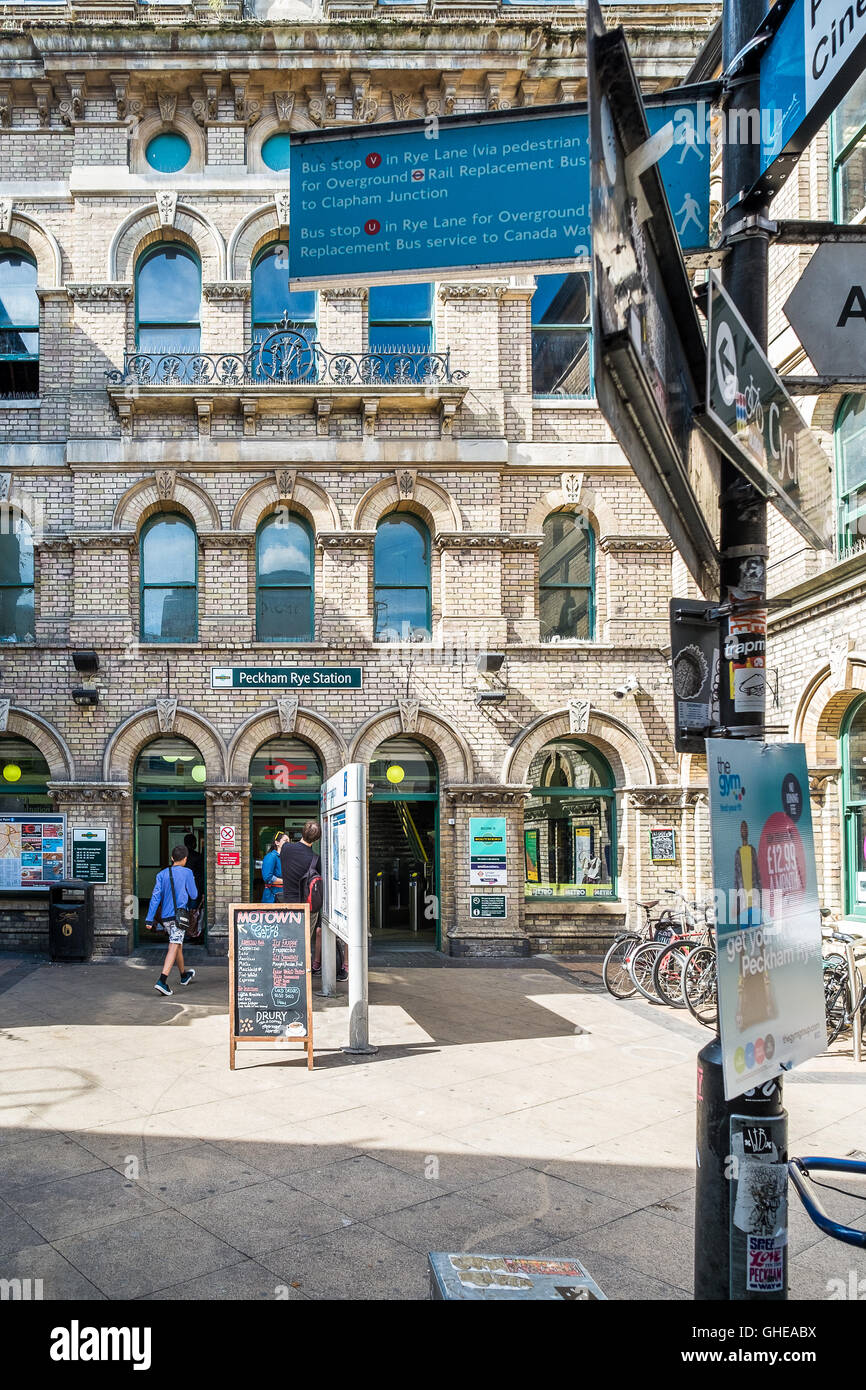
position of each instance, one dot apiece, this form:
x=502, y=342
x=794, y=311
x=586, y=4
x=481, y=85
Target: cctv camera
x=628, y=687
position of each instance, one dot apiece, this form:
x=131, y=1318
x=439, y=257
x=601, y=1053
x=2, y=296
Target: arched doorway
x=404, y=844
x=32, y=849
x=286, y=777
x=854, y=808
x=570, y=823
x=169, y=805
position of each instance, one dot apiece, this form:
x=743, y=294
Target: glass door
x=854, y=809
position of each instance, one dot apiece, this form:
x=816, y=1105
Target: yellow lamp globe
x=12, y=772
x=198, y=773
x=395, y=773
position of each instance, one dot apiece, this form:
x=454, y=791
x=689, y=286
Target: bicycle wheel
x=615, y=972
x=699, y=986
x=641, y=969
x=837, y=998
x=668, y=973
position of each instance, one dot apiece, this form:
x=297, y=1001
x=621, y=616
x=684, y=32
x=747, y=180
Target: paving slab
x=265, y=1215
x=136, y=1257
x=365, y=1186
x=60, y=1279
x=356, y=1262
x=245, y=1281
x=69, y=1206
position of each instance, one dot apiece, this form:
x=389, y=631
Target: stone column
x=115, y=905
x=226, y=805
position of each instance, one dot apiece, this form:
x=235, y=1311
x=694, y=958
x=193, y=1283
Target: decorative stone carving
x=5, y=486
x=568, y=90
x=247, y=108
x=226, y=795
x=287, y=709
x=406, y=483
x=441, y=100
x=365, y=105
x=370, y=409
x=359, y=540
x=578, y=716
x=124, y=411
x=206, y=107
x=224, y=290
x=5, y=706
x=572, y=485
x=322, y=102
x=166, y=713
x=285, y=481
x=447, y=412
x=819, y=785
x=7, y=207
x=636, y=544
x=5, y=105
x=329, y=292
x=493, y=93
x=167, y=102
x=402, y=104
x=409, y=715
x=284, y=103
x=99, y=294
x=839, y=664
x=475, y=795
x=165, y=481
x=282, y=203
x=323, y=414
x=42, y=93
x=249, y=409
x=656, y=798
x=88, y=793
x=120, y=83
x=204, y=412
x=458, y=291
x=72, y=107
x=527, y=92
x=166, y=206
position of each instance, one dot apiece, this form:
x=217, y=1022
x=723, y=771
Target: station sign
x=286, y=678
x=827, y=309
x=90, y=853
x=650, y=355
x=816, y=52
x=755, y=422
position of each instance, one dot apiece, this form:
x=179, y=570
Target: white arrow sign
x=827, y=309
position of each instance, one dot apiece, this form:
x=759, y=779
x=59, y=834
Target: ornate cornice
x=472, y=540
x=337, y=540
x=222, y=290
x=527, y=542
x=122, y=539
x=228, y=795
x=345, y=292
x=226, y=540
x=659, y=544
x=113, y=293
x=656, y=798
x=486, y=794
x=459, y=291
x=69, y=793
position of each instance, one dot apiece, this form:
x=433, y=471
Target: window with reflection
x=400, y=319
x=169, y=580
x=173, y=766
x=24, y=775
x=19, y=326
x=851, y=473
x=168, y=301
x=401, y=569
x=17, y=578
x=403, y=767
x=854, y=807
x=284, y=579
x=274, y=304
x=286, y=766
x=562, y=336
x=569, y=832
x=566, y=575
x=848, y=136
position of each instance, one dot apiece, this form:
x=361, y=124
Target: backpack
x=311, y=890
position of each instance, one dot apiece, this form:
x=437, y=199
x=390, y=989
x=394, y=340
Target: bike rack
x=798, y=1170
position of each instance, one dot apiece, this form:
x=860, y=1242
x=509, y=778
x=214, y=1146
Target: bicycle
x=643, y=959
x=615, y=970
x=699, y=986
x=671, y=960
x=801, y=1177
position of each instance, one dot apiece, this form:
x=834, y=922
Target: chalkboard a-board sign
x=270, y=993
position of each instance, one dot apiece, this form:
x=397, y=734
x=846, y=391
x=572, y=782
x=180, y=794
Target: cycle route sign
x=752, y=418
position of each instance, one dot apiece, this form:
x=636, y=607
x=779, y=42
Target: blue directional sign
x=502, y=191
x=816, y=53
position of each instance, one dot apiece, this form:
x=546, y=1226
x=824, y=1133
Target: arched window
x=851, y=473
x=272, y=297
x=401, y=571
x=848, y=137
x=16, y=578
x=19, y=325
x=168, y=300
x=169, y=580
x=284, y=580
x=854, y=807
x=24, y=775
x=562, y=335
x=566, y=576
x=399, y=320
x=570, y=824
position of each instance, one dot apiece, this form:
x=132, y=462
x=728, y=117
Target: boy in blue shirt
x=175, y=888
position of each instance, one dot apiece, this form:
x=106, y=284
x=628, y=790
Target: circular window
x=275, y=152
x=167, y=153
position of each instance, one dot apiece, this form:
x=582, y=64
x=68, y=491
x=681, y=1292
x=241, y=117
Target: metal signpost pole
x=743, y=548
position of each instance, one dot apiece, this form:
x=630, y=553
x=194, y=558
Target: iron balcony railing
x=287, y=357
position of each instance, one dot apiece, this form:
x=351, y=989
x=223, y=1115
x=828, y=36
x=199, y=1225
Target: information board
x=90, y=853
x=488, y=862
x=488, y=905
x=270, y=994
x=32, y=850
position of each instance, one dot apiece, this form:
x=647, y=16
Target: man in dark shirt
x=296, y=860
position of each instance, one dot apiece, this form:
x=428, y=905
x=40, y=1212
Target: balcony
x=289, y=369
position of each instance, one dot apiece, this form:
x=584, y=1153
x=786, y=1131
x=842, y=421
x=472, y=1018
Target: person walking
x=271, y=870
x=296, y=861
x=174, y=892
x=195, y=864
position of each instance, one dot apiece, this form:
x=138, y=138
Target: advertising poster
x=530, y=853
x=768, y=921
x=32, y=850
x=487, y=855
x=663, y=845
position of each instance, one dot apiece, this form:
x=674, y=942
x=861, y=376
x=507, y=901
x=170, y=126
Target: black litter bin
x=70, y=920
